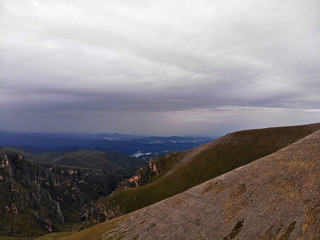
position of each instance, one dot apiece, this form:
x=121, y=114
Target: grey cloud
x=102, y=57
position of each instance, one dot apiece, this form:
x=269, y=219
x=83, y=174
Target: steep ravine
x=107, y=208
x=36, y=198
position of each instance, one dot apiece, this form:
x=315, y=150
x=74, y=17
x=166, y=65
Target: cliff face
x=38, y=198
x=142, y=177
x=145, y=174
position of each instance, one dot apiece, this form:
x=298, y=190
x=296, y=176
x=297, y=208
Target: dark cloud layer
x=150, y=67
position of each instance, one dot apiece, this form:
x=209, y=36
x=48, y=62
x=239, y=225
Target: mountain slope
x=199, y=164
x=275, y=197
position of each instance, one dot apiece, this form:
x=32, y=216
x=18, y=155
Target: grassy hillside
x=274, y=197
x=115, y=162
x=215, y=158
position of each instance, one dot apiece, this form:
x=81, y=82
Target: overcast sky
x=169, y=67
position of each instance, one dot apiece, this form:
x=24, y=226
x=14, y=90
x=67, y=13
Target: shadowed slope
x=275, y=197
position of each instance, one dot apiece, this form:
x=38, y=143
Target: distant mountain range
x=132, y=145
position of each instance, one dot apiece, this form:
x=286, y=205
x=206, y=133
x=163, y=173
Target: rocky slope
x=275, y=197
x=36, y=198
x=147, y=173
x=182, y=171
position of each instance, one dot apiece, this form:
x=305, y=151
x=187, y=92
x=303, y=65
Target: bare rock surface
x=275, y=197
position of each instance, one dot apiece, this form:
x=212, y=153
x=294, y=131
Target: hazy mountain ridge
x=126, y=144
x=115, y=162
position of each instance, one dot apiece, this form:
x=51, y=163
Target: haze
x=158, y=67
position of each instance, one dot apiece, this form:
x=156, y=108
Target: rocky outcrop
x=103, y=209
x=142, y=177
x=145, y=174
x=39, y=198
